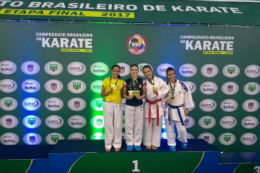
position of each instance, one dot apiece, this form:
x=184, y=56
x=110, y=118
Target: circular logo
x=208, y=105
x=9, y=121
x=32, y=139
x=7, y=67
x=77, y=136
x=208, y=137
x=9, y=139
x=191, y=85
x=31, y=104
x=136, y=44
x=141, y=68
x=187, y=70
x=228, y=122
x=124, y=69
x=231, y=70
x=32, y=121
x=76, y=68
x=54, y=121
x=252, y=71
x=99, y=69
x=8, y=85
x=76, y=86
x=249, y=122
x=8, y=103
x=98, y=121
x=189, y=122
x=53, y=68
x=77, y=121
x=208, y=88
x=96, y=86
x=31, y=86
x=250, y=105
x=53, y=138
x=98, y=135
x=190, y=136
x=251, y=88
x=209, y=70
x=161, y=69
x=30, y=67
x=248, y=139
x=227, y=138
x=230, y=88
x=54, y=104
x=53, y=86
x=97, y=104
x=229, y=105
x=76, y=104
x=207, y=122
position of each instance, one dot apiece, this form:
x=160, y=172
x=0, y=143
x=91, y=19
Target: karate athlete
x=178, y=96
x=112, y=88
x=156, y=89
x=134, y=92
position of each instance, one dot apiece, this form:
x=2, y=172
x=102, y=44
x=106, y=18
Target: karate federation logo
x=76, y=104
x=99, y=121
x=8, y=103
x=32, y=139
x=30, y=67
x=230, y=88
x=9, y=121
x=251, y=105
x=99, y=103
x=141, y=69
x=122, y=69
x=31, y=121
x=231, y=70
x=206, y=138
x=136, y=44
x=55, y=138
x=53, y=67
x=227, y=138
x=251, y=88
x=207, y=122
x=186, y=122
x=209, y=70
x=53, y=86
x=76, y=85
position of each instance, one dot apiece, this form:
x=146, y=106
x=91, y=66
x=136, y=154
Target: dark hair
x=147, y=66
x=134, y=65
x=167, y=70
x=115, y=65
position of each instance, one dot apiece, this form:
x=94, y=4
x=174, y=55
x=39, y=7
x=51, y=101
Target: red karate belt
x=149, y=115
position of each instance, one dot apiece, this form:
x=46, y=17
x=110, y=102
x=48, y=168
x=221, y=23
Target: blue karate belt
x=179, y=112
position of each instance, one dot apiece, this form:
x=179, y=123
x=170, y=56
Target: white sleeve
x=163, y=90
x=188, y=102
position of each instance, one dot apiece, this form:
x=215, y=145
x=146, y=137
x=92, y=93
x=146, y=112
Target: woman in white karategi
x=156, y=89
x=178, y=100
x=134, y=92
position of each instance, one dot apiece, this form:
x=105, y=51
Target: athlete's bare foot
x=117, y=149
x=154, y=147
x=148, y=147
x=108, y=150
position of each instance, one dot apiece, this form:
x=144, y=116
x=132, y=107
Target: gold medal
x=130, y=93
x=113, y=86
x=172, y=98
x=137, y=93
x=153, y=87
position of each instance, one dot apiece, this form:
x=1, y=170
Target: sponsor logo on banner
x=9, y=139
x=97, y=104
x=248, y=139
x=7, y=67
x=208, y=88
x=54, y=121
x=9, y=121
x=76, y=86
x=230, y=88
x=251, y=88
x=124, y=69
x=96, y=86
x=76, y=104
x=30, y=67
x=209, y=70
x=249, y=122
x=231, y=70
x=53, y=68
x=53, y=86
x=8, y=85
x=207, y=122
x=76, y=68
x=208, y=105
x=54, y=104
x=229, y=105
x=187, y=70
x=98, y=121
x=77, y=136
x=252, y=71
x=136, y=44
x=189, y=122
x=228, y=122
x=208, y=137
x=190, y=136
x=227, y=138
x=8, y=103
x=191, y=86
x=250, y=105
x=32, y=139
x=98, y=135
x=161, y=69
x=53, y=138
x=77, y=121
x=32, y=121
x=99, y=69
x=31, y=86
x=141, y=68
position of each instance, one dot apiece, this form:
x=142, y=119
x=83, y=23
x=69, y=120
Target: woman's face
x=171, y=75
x=134, y=71
x=115, y=72
x=148, y=73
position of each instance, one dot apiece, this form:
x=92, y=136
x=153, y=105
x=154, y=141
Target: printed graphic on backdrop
x=191, y=85
x=31, y=86
x=227, y=138
x=31, y=104
x=8, y=103
x=77, y=136
x=76, y=104
x=53, y=86
x=98, y=121
x=9, y=139
x=76, y=68
x=53, y=68
x=54, y=121
x=209, y=70
x=229, y=105
x=31, y=121
x=189, y=122
x=96, y=86
x=9, y=121
x=231, y=70
x=54, y=104
x=8, y=85
x=53, y=138
x=250, y=105
x=207, y=122
x=161, y=69
x=187, y=70
x=208, y=105
x=230, y=88
x=124, y=69
x=208, y=137
x=252, y=71
x=77, y=121
x=136, y=44
x=97, y=104
x=99, y=69
x=30, y=67
x=248, y=139
x=7, y=67
x=228, y=122
x=141, y=67
x=249, y=122
x=32, y=139
x=208, y=88
x=252, y=88
x=76, y=86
